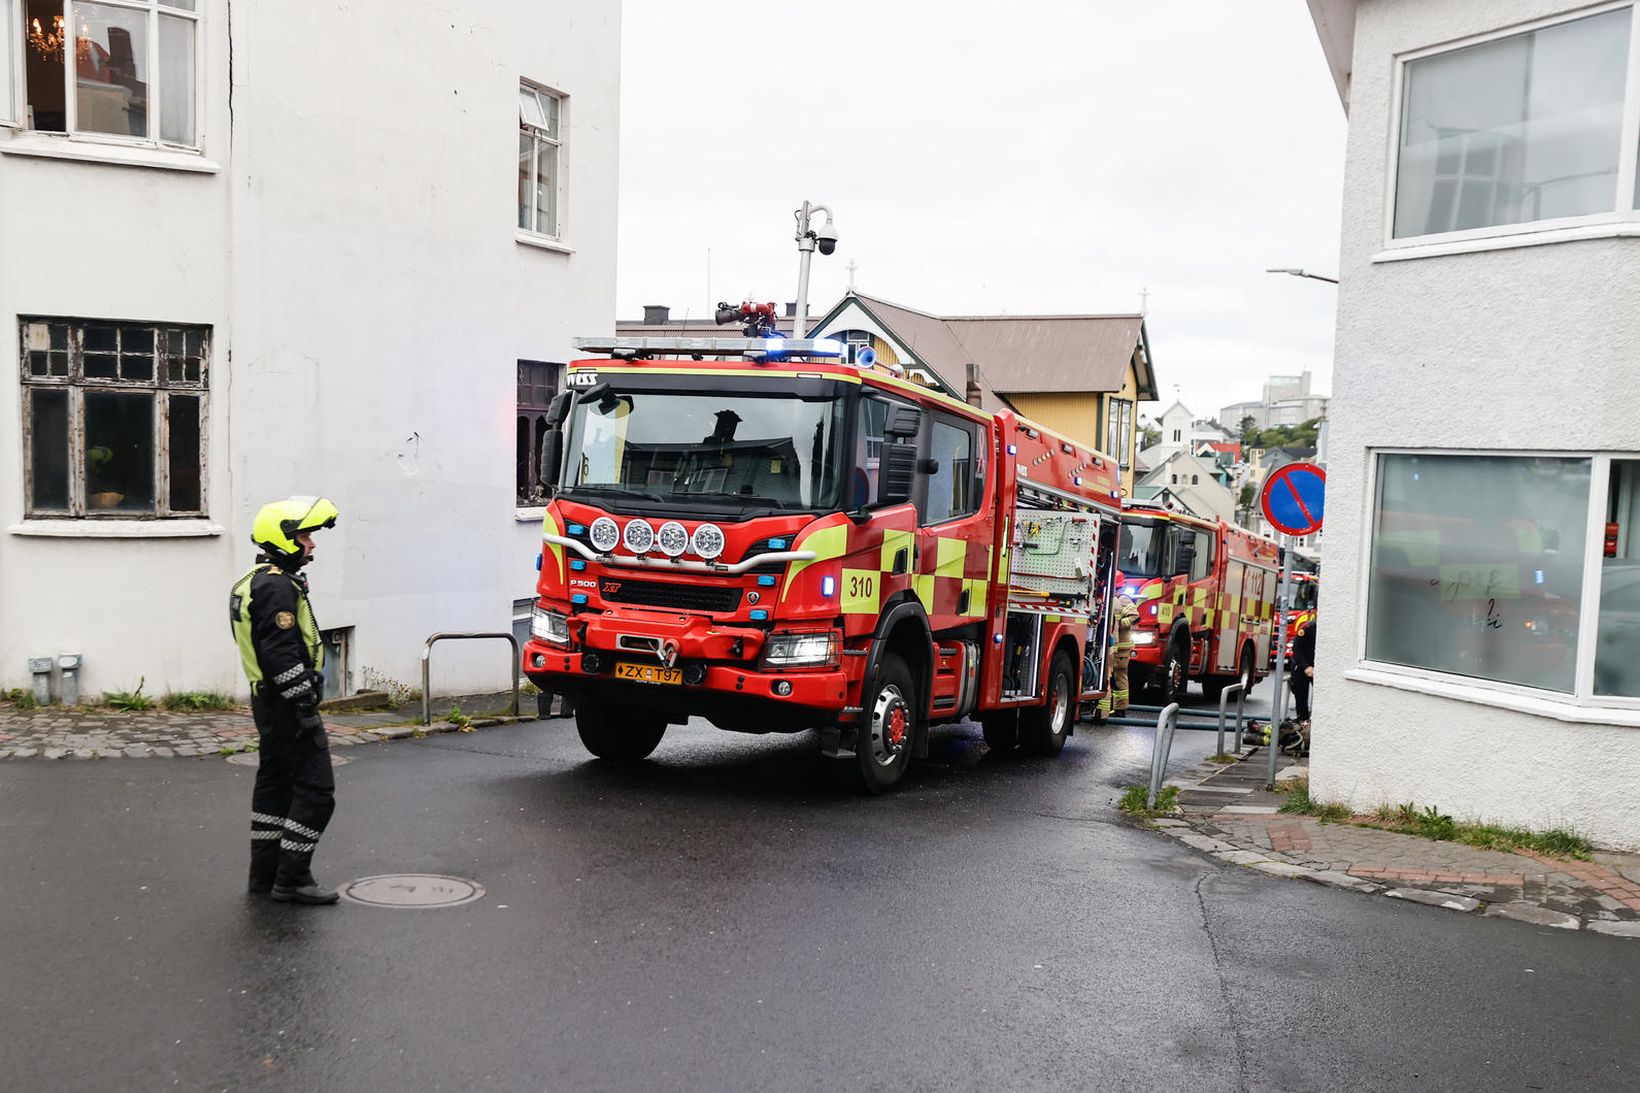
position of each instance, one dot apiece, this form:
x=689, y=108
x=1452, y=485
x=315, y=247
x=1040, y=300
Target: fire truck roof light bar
x=750, y=348
x=718, y=568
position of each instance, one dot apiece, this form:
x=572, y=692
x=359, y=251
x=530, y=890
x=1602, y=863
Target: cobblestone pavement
x=57, y=732
x=1602, y=896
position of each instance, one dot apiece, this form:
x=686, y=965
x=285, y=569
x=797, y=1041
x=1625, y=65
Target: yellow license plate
x=648, y=673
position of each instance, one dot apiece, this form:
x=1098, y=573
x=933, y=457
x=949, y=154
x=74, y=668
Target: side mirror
x=552, y=457
x=558, y=410
x=902, y=422
x=898, y=474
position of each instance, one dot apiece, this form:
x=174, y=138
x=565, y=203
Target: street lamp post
x=825, y=238
x=1304, y=273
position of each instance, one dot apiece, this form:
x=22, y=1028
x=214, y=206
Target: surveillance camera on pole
x=824, y=237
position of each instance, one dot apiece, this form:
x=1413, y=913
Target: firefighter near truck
x=778, y=536
x=1206, y=593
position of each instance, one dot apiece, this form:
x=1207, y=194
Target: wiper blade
x=735, y=498
x=616, y=491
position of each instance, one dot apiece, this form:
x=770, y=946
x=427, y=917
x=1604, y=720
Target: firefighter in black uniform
x=283, y=655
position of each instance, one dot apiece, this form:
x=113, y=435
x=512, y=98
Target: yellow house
x=1080, y=375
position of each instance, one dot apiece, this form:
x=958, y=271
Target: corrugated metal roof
x=1040, y=355
x=1020, y=354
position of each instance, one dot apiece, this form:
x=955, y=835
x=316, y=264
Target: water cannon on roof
x=757, y=320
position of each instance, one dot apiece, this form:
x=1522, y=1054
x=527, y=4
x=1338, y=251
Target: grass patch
x=236, y=749
x=1299, y=802
x=129, y=701
x=1223, y=757
x=1430, y=822
x=20, y=697
x=461, y=721
x=1133, y=801
x=196, y=700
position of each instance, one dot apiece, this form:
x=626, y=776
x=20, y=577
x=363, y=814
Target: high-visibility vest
x=239, y=603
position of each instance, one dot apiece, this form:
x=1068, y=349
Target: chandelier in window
x=47, y=44
x=50, y=43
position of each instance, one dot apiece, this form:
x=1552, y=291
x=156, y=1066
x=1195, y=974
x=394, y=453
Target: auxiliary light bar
x=750, y=348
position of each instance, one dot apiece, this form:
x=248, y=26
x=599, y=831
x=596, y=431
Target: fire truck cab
x=757, y=532
x=1206, y=593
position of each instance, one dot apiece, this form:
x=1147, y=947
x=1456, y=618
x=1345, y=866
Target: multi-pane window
x=540, y=146
x=1519, y=129
x=113, y=68
x=537, y=385
x=1119, y=429
x=1484, y=566
x=113, y=418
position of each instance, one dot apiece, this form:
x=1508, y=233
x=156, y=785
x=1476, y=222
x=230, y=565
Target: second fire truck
x=1206, y=593
x=756, y=532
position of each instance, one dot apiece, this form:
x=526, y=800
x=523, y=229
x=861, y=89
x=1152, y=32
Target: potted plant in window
x=101, y=490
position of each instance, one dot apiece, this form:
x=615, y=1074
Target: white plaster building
x=332, y=251
x=1286, y=400
x=1479, y=647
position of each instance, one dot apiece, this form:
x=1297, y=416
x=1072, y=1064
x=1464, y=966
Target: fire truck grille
x=676, y=597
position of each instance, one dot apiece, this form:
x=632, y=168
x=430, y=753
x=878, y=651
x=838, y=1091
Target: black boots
x=264, y=865
x=295, y=884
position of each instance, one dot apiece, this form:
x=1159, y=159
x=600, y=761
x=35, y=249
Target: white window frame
x=1624, y=217
x=13, y=11
x=11, y=61
x=558, y=234
x=1581, y=704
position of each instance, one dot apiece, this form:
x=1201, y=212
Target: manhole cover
x=250, y=759
x=412, y=890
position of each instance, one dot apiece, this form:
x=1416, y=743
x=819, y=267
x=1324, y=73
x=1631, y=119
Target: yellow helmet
x=279, y=522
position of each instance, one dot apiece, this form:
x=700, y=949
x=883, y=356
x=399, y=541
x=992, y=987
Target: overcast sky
x=1039, y=157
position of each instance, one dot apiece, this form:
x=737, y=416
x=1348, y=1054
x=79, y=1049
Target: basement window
x=113, y=418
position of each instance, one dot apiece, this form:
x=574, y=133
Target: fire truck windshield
x=1141, y=550
x=686, y=448
x=1305, y=595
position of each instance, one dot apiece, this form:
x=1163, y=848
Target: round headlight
x=708, y=541
x=639, y=536
x=604, y=535
x=672, y=538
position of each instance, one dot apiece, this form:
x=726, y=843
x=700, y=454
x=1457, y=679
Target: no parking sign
x=1294, y=498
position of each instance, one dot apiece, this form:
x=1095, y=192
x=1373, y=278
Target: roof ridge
x=1019, y=318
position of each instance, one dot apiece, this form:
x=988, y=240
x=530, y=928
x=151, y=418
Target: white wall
x=1525, y=348
x=357, y=257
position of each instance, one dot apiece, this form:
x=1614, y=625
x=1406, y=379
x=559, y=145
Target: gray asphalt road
x=729, y=917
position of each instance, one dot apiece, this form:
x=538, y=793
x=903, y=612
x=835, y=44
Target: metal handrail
x=427, y=667
x=1166, y=722
x=1240, y=687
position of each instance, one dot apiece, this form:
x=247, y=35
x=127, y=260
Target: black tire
x=621, y=734
x=1043, y=729
x=882, y=748
x=1173, y=679
x=1001, y=730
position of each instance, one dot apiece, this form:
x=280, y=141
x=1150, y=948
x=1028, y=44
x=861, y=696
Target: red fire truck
x=1301, y=612
x=758, y=532
x=1206, y=593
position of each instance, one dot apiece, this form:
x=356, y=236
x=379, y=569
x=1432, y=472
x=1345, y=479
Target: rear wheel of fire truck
x=883, y=750
x=622, y=734
x=1174, y=679
x=1043, y=729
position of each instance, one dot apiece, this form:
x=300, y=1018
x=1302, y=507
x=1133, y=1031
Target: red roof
x=1225, y=446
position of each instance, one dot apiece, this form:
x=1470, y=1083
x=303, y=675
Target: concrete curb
x=1181, y=828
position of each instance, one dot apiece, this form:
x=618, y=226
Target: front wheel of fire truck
x=884, y=750
x=1175, y=669
x=622, y=734
x=1043, y=729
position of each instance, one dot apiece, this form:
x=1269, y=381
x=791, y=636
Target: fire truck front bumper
x=688, y=667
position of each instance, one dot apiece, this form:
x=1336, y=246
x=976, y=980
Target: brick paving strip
x=57, y=732
x=1601, y=896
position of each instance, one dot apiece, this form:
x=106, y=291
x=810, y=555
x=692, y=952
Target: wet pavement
x=731, y=915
